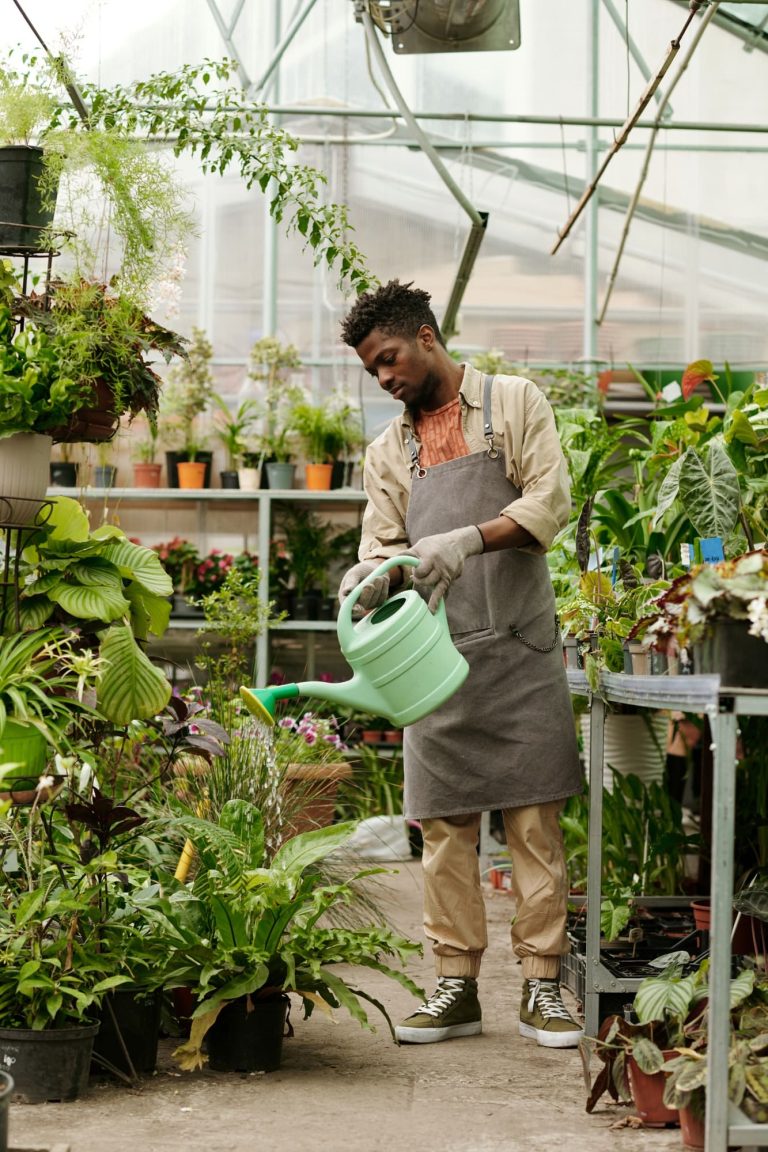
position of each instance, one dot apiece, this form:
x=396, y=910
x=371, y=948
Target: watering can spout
x=402, y=656
x=351, y=695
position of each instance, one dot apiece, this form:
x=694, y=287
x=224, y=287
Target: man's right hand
x=372, y=595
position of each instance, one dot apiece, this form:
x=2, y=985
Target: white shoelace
x=546, y=996
x=448, y=989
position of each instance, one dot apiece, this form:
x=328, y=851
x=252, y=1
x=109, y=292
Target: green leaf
x=131, y=687
x=660, y=997
x=647, y=1055
x=709, y=491
x=668, y=492
x=103, y=603
x=307, y=848
x=140, y=564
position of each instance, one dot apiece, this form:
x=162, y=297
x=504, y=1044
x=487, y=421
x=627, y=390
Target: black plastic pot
x=247, y=1035
x=130, y=1028
x=23, y=218
x=730, y=650
x=6, y=1092
x=63, y=473
x=229, y=479
x=49, y=1065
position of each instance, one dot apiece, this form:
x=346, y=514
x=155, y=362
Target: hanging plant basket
x=92, y=424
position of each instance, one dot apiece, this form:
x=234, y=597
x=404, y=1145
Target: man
x=471, y=479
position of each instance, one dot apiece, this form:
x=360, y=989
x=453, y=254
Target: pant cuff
x=468, y=964
x=541, y=967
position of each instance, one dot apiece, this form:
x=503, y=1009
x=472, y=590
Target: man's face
x=403, y=367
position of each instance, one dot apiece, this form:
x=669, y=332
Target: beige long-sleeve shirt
x=524, y=431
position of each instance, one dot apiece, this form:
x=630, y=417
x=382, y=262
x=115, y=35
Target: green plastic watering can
x=404, y=662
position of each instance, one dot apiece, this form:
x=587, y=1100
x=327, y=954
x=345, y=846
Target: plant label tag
x=711, y=549
x=686, y=555
x=671, y=391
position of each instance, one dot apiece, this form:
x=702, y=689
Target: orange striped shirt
x=441, y=435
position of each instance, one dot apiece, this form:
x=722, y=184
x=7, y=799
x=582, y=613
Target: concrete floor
x=341, y=1087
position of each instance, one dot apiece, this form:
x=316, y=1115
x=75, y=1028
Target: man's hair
x=397, y=309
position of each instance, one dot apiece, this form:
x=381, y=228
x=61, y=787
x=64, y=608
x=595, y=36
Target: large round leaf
x=104, y=603
x=709, y=491
x=131, y=687
x=139, y=564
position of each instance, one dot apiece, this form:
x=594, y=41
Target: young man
x=471, y=479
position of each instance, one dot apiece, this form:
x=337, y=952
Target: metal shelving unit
x=722, y=704
x=260, y=502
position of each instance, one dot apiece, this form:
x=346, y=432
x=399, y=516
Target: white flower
x=757, y=610
x=44, y=782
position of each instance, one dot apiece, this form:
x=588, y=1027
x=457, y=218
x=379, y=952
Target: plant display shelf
x=723, y=705
x=261, y=503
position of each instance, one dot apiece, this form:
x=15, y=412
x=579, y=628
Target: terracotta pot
x=317, y=477
x=691, y=1128
x=648, y=1095
x=191, y=473
x=147, y=475
x=748, y=939
x=318, y=785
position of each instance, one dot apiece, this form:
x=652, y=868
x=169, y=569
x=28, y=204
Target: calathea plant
x=112, y=592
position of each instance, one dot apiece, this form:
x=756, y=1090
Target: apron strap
x=487, y=422
x=413, y=451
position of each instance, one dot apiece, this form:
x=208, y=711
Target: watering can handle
x=345, y=611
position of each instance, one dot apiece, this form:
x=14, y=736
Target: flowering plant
x=735, y=589
x=247, y=564
x=211, y=572
x=179, y=558
x=311, y=739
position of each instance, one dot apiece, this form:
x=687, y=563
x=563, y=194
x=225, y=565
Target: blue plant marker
x=615, y=566
x=710, y=549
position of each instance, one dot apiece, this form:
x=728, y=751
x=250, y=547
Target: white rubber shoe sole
x=408, y=1035
x=551, y=1039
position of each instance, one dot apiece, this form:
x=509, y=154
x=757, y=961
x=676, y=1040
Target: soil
x=342, y=1087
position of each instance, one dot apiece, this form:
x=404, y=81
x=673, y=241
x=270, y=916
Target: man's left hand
x=442, y=559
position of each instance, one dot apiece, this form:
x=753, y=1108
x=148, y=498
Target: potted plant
x=107, y=590
x=253, y=938
x=146, y=467
x=188, y=393
x=314, y=760
x=269, y=360
x=232, y=428
x=179, y=557
x=43, y=679
x=308, y=544
x=104, y=345
x=716, y=614
x=317, y=431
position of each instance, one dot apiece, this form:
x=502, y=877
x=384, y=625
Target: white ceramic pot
x=249, y=478
x=633, y=744
x=25, y=461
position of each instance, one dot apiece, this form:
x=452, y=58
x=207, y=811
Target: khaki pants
x=454, y=909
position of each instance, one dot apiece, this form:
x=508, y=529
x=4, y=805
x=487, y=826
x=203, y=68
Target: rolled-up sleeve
x=535, y=462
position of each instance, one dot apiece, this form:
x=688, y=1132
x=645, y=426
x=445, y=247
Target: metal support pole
x=594, y=863
x=589, y=340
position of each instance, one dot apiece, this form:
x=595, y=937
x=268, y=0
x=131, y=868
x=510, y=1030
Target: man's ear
x=426, y=334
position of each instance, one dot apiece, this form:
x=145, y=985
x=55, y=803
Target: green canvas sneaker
x=452, y=1010
x=544, y=1018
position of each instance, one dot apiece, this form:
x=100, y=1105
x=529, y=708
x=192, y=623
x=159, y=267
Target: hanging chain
x=529, y=643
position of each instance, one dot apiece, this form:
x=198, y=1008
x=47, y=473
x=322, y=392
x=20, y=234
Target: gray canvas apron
x=507, y=738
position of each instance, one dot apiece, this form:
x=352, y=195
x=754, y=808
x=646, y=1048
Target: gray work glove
x=442, y=560
x=372, y=595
